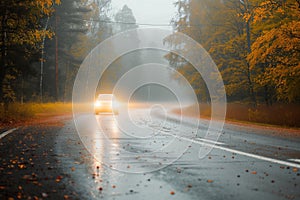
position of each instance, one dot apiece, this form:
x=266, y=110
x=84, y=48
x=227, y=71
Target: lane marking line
x=295, y=160
x=210, y=141
x=2, y=135
x=281, y=162
x=213, y=144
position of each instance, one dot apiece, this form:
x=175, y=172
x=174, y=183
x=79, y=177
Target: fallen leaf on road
x=295, y=169
x=45, y=195
x=26, y=177
x=172, y=193
x=21, y=166
x=58, y=178
x=210, y=181
x=253, y=172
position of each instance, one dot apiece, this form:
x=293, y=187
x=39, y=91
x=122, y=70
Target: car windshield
x=105, y=97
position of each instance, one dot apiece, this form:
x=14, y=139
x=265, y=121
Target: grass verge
x=286, y=115
x=22, y=112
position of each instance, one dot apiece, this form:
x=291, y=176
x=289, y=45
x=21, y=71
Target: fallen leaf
x=253, y=172
x=26, y=177
x=58, y=178
x=295, y=169
x=21, y=166
x=210, y=181
x=45, y=195
x=172, y=193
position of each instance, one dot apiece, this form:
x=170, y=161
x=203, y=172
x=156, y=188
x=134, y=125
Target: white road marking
x=295, y=160
x=281, y=162
x=210, y=141
x=213, y=144
x=2, y=135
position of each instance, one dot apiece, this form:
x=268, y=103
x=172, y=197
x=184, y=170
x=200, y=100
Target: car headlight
x=97, y=103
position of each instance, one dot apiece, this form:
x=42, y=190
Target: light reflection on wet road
x=220, y=175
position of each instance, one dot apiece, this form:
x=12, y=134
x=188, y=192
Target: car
x=106, y=103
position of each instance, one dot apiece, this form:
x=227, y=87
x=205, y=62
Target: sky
x=148, y=11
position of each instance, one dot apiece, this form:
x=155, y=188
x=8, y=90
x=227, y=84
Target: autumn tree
x=224, y=29
x=275, y=56
x=21, y=36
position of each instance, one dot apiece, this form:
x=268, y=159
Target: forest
x=254, y=43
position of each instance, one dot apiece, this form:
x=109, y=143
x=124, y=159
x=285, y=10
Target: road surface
x=156, y=158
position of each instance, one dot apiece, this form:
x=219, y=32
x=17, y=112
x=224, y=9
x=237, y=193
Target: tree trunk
x=3, y=54
x=249, y=75
x=56, y=58
x=66, y=81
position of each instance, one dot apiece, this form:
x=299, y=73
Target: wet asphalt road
x=156, y=159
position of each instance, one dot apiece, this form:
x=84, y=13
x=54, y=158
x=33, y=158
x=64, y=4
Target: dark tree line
x=43, y=44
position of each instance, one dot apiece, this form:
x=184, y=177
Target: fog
x=130, y=69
